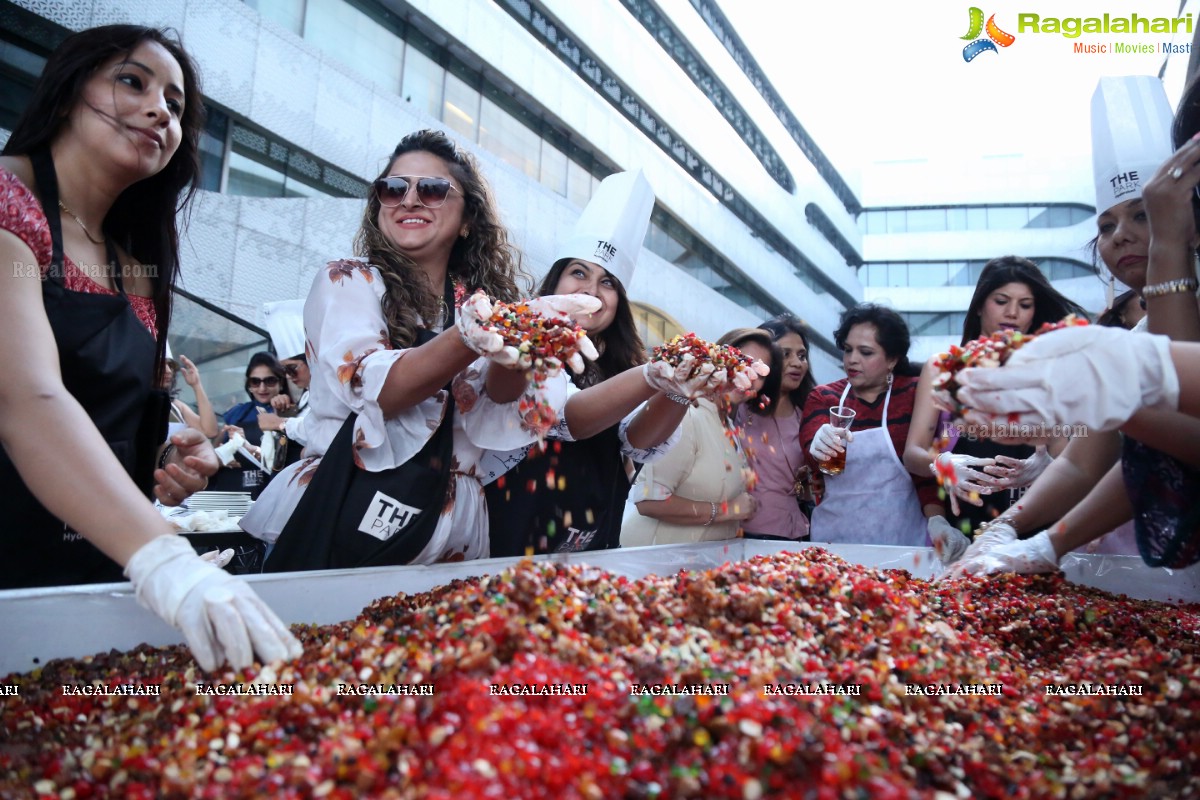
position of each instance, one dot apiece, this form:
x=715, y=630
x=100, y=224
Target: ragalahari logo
x=995, y=36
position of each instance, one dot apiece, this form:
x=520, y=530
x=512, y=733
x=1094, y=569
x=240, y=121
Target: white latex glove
x=225, y=452
x=1089, y=375
x=1025, y=556
x=997, y=534
x=1013, y=473
x=743, y=379
x=830, y=440
x=218, y=558
x=568, y=308
x=957, y=475
x=948, y=542
x=220, y=615
x=474, y=312
x=680, y=380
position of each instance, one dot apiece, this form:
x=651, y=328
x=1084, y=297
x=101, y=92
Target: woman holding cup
x=854, y=431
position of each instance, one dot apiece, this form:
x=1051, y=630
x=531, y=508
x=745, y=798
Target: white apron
x=873, y=501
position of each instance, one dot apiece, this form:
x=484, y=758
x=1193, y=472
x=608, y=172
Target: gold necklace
x=79, y=222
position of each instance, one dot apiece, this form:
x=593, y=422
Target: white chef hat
x=285, y=323
x=610, y=230
x=1131, y=136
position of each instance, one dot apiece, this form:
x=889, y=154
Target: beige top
x=706, y=466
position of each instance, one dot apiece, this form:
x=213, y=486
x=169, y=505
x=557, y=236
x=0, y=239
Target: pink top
x=772, y=446
x=21, y=213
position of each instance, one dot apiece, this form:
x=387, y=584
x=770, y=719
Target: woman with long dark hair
x=91, y=181
x=783, y=479
x=1011, y=294
x=619, y=413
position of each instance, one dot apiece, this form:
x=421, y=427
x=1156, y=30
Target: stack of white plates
x=236, y=504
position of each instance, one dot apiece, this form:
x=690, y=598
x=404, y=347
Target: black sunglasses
x=431, y=192
x=268, y=381
x=291, y=369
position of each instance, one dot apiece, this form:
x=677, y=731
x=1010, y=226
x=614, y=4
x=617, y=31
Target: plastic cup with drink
x=839, y=417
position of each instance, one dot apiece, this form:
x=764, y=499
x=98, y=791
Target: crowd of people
x=391, y=427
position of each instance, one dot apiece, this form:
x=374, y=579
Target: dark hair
x=1187, y=125
x=483, y=259
x=779, y=327
x=1115, y=317
x=142, y=220
x=1048, y=304
x=620, y=344
x=764, y=402
x=265, y=359
x=891, y=332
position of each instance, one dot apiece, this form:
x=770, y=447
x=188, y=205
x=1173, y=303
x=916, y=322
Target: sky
x=875, y=81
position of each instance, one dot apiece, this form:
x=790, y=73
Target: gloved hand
x=1024, y=556
x=997, y=534
x=1013, y=473
x=948, y=543
x=1088, y=375
x=225, y=452
x=829, y=440
x=220, y=615
x=567, y=308
x=743, y=379
x=473, y=315
x=680, y=380
x=957, y=475
x=218, y=558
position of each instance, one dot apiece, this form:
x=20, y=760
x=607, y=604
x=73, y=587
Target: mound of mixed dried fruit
x=728, y=642
x=986, y=351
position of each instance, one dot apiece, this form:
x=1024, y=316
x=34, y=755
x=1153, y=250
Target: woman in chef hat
x=570, y=496
x=1144, y=195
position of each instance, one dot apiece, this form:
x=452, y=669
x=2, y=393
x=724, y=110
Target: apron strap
x=46, y=178
x=887, y=398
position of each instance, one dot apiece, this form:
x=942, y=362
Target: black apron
x=245, y=477
x=578, y=508
x=972, y=517
x=351, y=517
x=107, y=360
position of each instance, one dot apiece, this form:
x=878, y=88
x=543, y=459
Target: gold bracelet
x=1171, y=287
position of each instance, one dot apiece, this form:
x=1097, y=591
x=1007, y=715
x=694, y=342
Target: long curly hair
x=483, y=259
x=143, y=219
x=620, y=344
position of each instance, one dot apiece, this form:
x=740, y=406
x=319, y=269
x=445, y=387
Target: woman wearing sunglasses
x=265, y=381
x=399, y=397
x=90, y=182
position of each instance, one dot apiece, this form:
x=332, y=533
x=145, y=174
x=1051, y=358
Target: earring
x=464, y=233
x=1110, y=293
x=889, y=381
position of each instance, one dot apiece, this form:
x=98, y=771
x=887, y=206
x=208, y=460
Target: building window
x=936, y=219
x=934, y=274
x=934, y=323
x=460, y=108
x=287, y=13
x=510, y=139
x=355, y=39
x=422, y=82
x=262, y=166
x=719, y=25
x=654, y=326
x=678, y=48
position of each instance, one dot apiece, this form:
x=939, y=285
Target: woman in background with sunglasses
x=265, y=379
x=394, y=339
